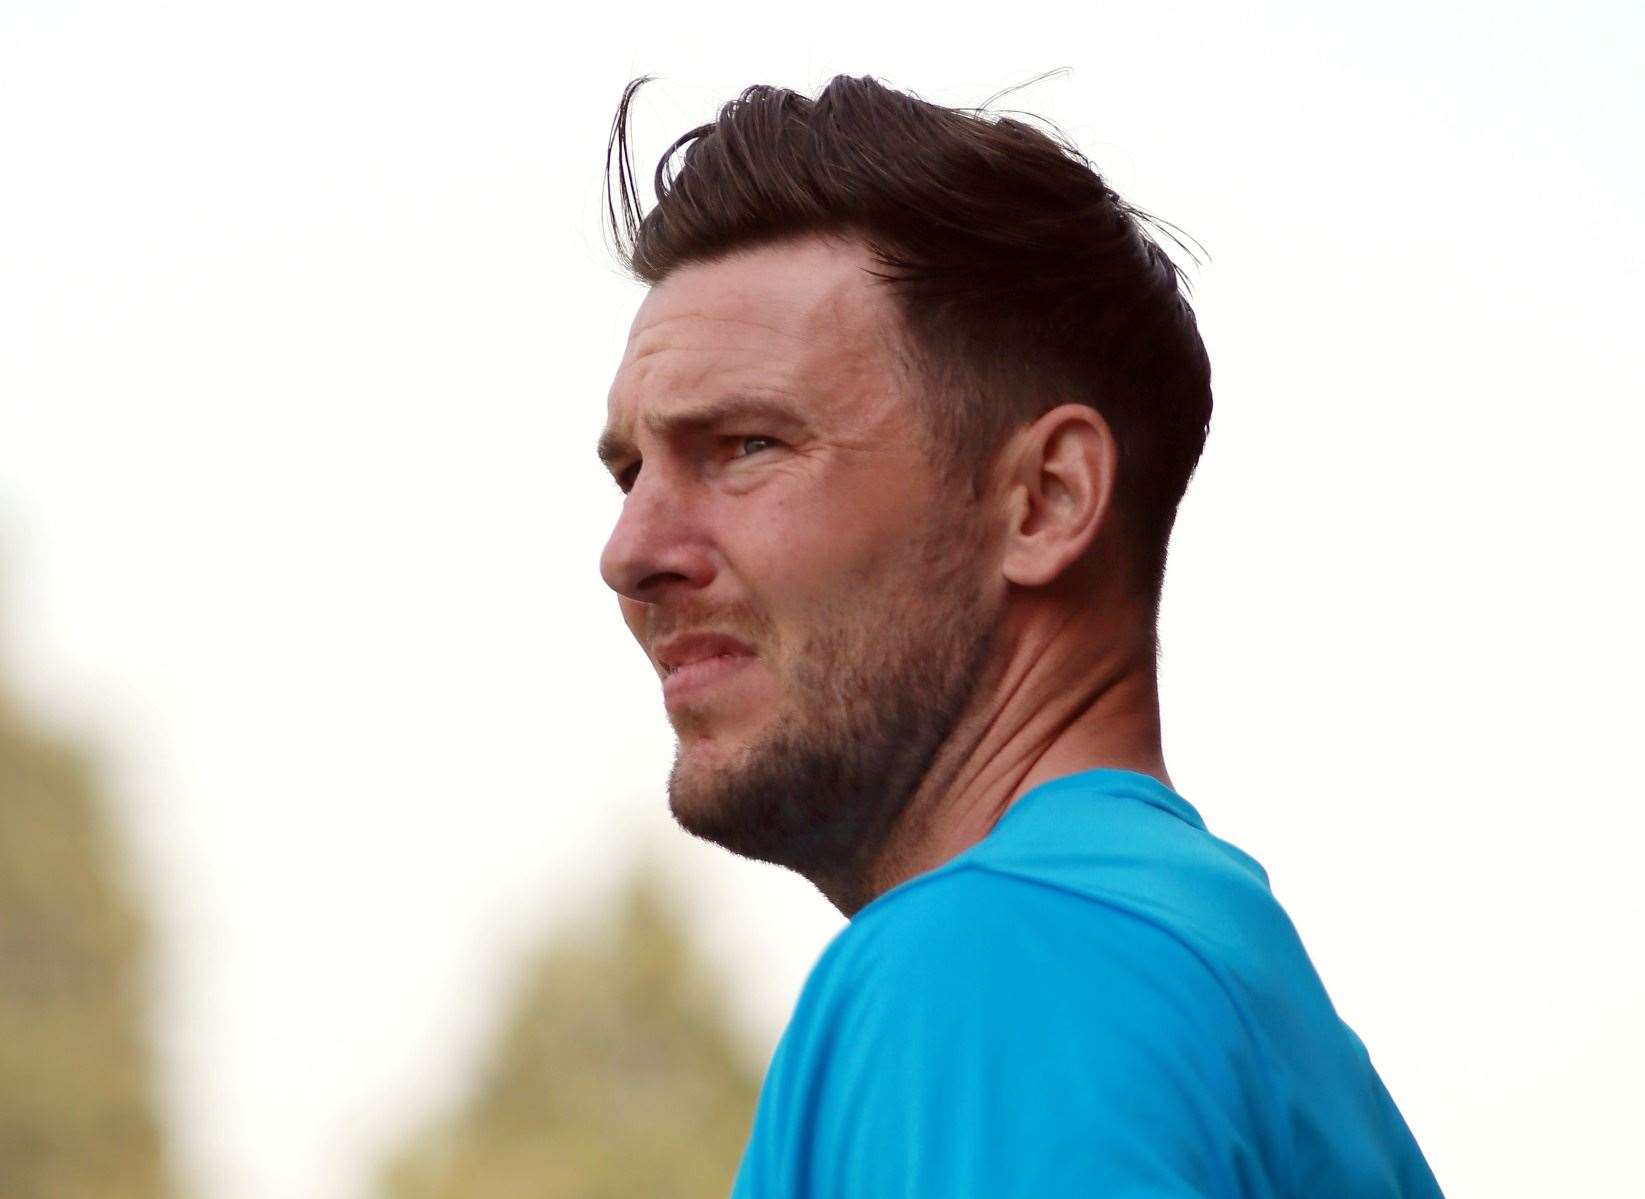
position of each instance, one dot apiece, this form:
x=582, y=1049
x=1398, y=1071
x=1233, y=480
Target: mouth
x=692, y=679
x=693, y=662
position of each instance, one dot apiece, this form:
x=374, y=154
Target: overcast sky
x=305, y=331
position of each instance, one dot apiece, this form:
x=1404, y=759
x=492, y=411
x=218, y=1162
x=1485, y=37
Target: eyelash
x=625, y=481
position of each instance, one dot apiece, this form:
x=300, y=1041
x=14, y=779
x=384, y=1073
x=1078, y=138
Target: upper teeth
x=695, y=662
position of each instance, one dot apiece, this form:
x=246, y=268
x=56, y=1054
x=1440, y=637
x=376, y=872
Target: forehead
x=800, y=320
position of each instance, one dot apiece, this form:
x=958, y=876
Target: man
x=903, y=423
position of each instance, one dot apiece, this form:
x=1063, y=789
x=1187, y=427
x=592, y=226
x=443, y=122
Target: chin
x=696, y=799
x=702, y=765
x=723, y=791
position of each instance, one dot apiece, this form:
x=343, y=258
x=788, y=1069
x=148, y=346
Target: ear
x=1060, y=491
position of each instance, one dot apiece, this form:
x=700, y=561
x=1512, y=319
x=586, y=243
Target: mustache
x=740, y=620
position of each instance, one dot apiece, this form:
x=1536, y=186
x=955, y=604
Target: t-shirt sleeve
x=979, y=1034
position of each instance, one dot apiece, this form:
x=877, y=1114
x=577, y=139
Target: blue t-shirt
x=1099, y=998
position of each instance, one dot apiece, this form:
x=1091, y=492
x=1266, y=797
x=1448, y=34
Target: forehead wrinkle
x=664, y=349
x=616, y=442
x=694, y=377
x=835, y=332
x=663, y=330
x=701, y=382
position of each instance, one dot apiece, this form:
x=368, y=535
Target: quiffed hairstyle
x=1022, y=279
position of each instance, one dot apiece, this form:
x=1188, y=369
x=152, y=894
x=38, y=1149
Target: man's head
x=870, y=320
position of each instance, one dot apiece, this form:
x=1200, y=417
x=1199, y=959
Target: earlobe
x=1062, y=488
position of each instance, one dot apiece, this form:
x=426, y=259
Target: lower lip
x=697, y=677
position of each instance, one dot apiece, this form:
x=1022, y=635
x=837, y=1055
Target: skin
x=922, y=657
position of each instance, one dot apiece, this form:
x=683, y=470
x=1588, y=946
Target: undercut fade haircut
x=1022, y=279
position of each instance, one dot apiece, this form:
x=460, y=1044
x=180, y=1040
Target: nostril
x=654, y=582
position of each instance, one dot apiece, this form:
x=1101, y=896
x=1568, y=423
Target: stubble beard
x=872, y=701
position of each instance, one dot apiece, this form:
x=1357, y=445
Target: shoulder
x=984, y=948
x=973, y=1009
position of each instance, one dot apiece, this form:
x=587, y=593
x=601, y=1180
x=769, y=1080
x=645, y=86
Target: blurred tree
x=76, y=1115
x=616, y=1075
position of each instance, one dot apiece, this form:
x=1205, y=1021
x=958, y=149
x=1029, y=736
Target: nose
x=658, y=542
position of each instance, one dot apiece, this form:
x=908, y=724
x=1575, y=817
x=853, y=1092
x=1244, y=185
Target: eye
x=742, y=442
x=625, y=478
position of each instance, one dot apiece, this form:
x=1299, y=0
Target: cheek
x=802, y=577
x=633, y=616
x=830, y=559
x=839, y=537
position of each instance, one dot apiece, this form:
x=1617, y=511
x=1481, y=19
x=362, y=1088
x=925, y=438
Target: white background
x=305, y=330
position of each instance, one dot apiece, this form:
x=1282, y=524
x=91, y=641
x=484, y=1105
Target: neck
x=1049, y=707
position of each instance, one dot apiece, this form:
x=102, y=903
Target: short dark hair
x=1022, y=278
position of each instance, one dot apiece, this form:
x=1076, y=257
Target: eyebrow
x=614, y=445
